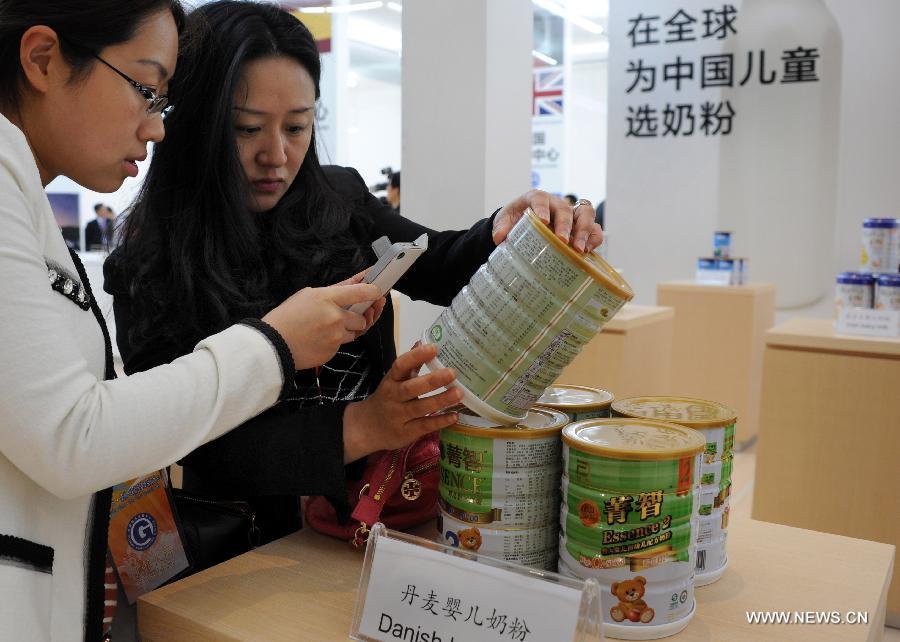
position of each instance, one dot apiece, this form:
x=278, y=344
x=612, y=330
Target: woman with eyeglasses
x=237, y=210
x=82, y=85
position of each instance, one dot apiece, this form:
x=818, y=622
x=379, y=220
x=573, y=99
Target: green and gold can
x=500, y=476
x=579, y=402
x=630, y=488
x=716, y=422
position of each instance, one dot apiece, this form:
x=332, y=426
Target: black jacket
x=289, y=451
x=93, y=235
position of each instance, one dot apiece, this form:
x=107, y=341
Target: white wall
x=373, y=128
x=869, y=164
x=586, y=129
x=661, y=194
x=869, y=156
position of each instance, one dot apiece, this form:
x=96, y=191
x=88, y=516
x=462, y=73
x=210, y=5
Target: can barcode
x=701, y=561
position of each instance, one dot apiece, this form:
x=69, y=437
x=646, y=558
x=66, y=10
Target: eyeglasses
x=156, y=104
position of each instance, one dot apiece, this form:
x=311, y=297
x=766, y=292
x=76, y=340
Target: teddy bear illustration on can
x=628, y=602
x=534, y=547
x=628, y=518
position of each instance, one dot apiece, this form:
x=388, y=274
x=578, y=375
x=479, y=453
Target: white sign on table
x=868, y=322
x=414, y=589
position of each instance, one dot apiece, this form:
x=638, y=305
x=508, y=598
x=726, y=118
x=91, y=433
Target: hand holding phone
x=391, y=265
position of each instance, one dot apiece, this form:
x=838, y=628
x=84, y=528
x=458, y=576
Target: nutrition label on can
x=501, y=279
x=528, y=453
x=513, y=482
x=523, y=392
x=503, y=511
x=554, y=268
x=710, y=530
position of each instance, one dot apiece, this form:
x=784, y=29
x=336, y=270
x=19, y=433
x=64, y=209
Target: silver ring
x=580, y=202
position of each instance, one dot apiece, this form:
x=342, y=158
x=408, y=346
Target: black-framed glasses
x=156, y=104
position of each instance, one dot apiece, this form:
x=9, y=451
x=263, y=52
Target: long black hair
x=84, y=27
x=195, y=257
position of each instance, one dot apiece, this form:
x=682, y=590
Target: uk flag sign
x=547, y=92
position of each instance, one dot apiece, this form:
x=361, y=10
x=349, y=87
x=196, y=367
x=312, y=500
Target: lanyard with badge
x=144, y=541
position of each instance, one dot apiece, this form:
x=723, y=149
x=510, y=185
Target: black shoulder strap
x=110, y=370
x=98, y=523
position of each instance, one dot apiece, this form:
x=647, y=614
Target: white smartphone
x=391, y=265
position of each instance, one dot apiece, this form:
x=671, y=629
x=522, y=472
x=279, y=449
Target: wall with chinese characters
x=680, y=73
x=663, y=151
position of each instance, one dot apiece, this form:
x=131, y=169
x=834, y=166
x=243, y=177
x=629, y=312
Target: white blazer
x=65, y=433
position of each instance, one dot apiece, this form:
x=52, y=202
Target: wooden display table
x=632, y=355
x=303, y=587
x=718, y=344
x=830, y=434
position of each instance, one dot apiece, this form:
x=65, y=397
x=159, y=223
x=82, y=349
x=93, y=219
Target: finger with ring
x=580, y=202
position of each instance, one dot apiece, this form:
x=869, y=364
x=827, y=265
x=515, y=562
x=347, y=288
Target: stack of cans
x=716, y=423
x=499, y=487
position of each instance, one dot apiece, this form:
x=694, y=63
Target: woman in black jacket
x=236, y=211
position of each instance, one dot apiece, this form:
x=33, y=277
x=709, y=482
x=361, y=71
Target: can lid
x=857, y=278
x=880, y=222
x=684, y=411
x=590, y=262
x=890, y=280
x=722, y=233
x=635, y=439
x=565, y=397
x=538, y=423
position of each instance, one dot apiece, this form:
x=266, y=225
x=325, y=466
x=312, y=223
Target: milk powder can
x=628, y=516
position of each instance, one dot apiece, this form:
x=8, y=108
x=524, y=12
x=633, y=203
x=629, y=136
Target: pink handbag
x=398, y=488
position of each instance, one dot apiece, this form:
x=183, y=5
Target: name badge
x=414, y=589
x=144, y=541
